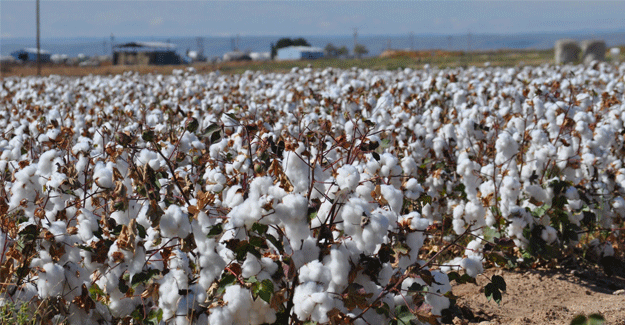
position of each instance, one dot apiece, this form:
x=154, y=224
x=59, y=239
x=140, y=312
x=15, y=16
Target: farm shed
x=299, y=53
x=30, y=55
x=144, y=53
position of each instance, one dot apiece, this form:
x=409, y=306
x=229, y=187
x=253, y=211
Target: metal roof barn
x=29, y=54
x=144, y=53
x=299, y=53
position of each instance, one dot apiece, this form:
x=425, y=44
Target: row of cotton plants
x=342, y=196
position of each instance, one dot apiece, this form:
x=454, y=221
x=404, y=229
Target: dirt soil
x=544, y=297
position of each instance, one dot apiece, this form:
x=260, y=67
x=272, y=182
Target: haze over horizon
x=75, y=19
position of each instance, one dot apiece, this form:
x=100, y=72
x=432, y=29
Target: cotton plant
x=311, y=195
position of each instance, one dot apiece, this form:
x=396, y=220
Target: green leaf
x=95, y=291
x=415, y=287
x=256, y=241
x=226, y=279
x=403, y=315
x=491, y=292
x=540, y=211
x=499, y=282
x=275, y=242
x=122, y=285
x=155, y=316
x=596, y=319
x=579, y=320
x=148, y=135
x=141, y=231
x=265, y=290
x=216, y=230
x=85, y=247
x=192, y=124
x=232, y=116
x=453, y=276
x=260, y=228
x=144, y=277
x=383, y=310
x=465, y=278
x=211, y=128
x=29, y=232
x=216, y=136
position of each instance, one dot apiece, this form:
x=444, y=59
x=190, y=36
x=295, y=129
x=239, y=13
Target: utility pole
x=355, y=39
x=200, y=47
x=113, y=60
x=411, y=41
x=38, y=44
x=112, y=40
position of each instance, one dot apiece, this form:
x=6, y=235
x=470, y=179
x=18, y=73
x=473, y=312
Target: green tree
x=286, y=42
x=342, y=51
x=360, y=50
x=331, y=50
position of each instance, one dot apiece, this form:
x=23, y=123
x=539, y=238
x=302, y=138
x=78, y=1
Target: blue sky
x=89, y=18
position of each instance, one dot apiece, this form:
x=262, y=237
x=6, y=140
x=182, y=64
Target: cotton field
x=300, y=196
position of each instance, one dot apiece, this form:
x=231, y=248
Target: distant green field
x=459, y=59
x=496, y=58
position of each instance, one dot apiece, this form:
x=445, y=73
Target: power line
x=38, y=44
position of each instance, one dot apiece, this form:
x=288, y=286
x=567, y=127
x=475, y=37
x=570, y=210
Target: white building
x=299, y=53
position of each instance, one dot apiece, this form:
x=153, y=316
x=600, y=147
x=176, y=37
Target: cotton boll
x=175, y=223
x=618, y=204
x=348, y=177
x=393, y=196
x=474, y=248
x=549, y=234
x=220, y=316
x=308, y=251
x=296, y=169
x=472, y=266
x=441, y=286
x=45, y=165
x=239, y=301
x=51, y=280
x=292, y=211
x=453, y=265
x=315, y=271
x=364, y=191
x=251, y=266
x=412, y=189
x=459, y=226
x=537, y=192
x=311, y=301
x=337, y=263
x=409, y=166
x=600, y=250
x=103, y=175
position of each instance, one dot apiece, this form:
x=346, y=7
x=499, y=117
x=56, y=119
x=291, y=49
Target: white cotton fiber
x=549, y=234
x=472, y=266
x=175, y=222
x=348, y=177
x=103, y=175
x=393, y=196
